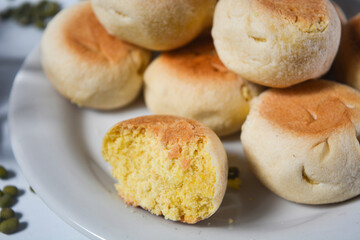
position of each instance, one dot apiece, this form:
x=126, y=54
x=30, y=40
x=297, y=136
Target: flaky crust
x=173, y=131
x=156, y=24
x=303, y=142
x=87, y=65
x=276, y=43
x=192, y=82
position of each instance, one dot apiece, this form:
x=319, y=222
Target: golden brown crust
x=86, y=36
x=198, y=62
x=313, y=107
x=171, y=130
x=308, y=15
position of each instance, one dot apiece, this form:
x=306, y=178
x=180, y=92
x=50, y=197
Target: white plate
x=57, y=146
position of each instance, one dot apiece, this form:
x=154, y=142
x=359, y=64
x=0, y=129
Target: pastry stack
x=258, y=71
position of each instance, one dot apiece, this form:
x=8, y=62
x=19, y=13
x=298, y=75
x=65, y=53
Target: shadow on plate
x=251, y=202
x=137, y=103
x=75, y=127
x=230, y=138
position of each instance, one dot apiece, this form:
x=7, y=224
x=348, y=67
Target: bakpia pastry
x=160, y=26
x=303, y=142
x=169, y=165
x=347, y=64
x=276, y=43
x=87, y=65
x=192, y=82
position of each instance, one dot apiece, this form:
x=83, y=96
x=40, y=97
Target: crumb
x=230, y=221
x=209, y=223
x=250, y=198
x=132, y=211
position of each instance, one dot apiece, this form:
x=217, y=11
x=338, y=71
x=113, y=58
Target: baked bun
x=168, y=165
x=193, y=83
x=340, y=12
x=88, y=66
x=163, y=25
x=347, y=64
x=303, y=142
x=276, y=43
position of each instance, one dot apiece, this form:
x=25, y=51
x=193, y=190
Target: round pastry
x=163, y=25
x=303, y=142
x=276, y=43
x=87, y=65
x=340, y=12
x=192, y=82
x=347, y=64
x=168, y=165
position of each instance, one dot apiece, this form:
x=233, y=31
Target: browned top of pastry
x=313, y=107
x=170, y=129
x=196, y=62
x=84, y=34
x=308, y=15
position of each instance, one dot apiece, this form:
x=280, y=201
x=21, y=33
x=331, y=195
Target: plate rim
x=20, y=157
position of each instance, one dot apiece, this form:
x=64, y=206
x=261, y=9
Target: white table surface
x=37, y=221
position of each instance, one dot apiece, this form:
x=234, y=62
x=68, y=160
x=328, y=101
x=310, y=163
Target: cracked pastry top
x=303, y=142
x=314, y=107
